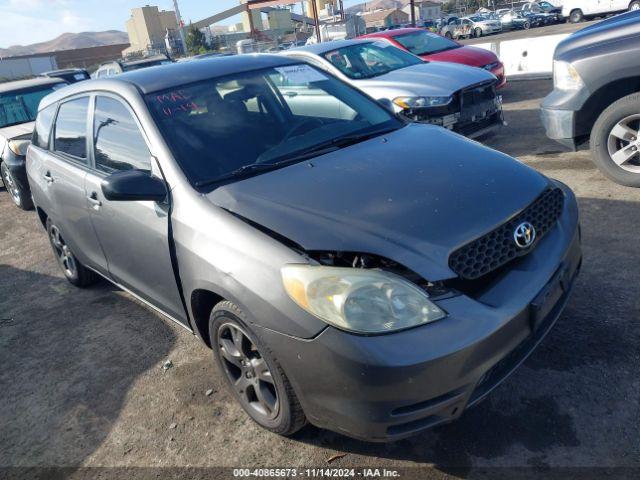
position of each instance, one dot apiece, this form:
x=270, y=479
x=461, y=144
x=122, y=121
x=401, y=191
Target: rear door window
x=71, y=128
x=43, y=127
x=119, y=144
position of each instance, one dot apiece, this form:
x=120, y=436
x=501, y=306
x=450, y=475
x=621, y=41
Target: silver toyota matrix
x=347, y=267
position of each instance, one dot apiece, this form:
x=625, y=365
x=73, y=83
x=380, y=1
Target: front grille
x=496, y=248
x=477, y=95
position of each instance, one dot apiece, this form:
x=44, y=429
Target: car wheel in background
x=615, y=141
x=21, y=198
x=448, y=35
x=73, y=270
x=576, y=16
x=477, y=32
x=634, y=6
x=526, y=25
x=255, y=378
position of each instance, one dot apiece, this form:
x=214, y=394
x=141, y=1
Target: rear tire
x=74, y=271
x=634, y=6
x=252, y=373
x=576, y=16
x=19, y=196
x=615, y=136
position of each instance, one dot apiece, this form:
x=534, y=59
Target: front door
x=134, y=235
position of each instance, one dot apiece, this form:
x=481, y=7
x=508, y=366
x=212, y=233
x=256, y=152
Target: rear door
x=134, y=235
x=65, y=169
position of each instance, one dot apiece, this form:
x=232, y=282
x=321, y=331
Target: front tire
x=448, y=35
x=18, y=195
x=252, y=373
x=576, y=16
x=477, y=32
x=634, y=6
x=74, y=271
x=526, y=26
x=615, y=141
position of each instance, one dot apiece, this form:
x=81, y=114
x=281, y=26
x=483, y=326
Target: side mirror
x=386, y=103
x=134, y=185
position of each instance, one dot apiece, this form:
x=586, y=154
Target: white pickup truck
x=576, y=10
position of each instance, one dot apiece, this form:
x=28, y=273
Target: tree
x=196, y=41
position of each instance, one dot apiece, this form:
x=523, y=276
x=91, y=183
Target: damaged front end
x=472, y=112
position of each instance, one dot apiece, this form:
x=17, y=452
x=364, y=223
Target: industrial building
x=151, y=31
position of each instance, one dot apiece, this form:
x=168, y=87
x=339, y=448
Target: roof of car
x=320, y=48
x=32, y=82
x=162, y=77
x=141, y=61
x=393, y=33
x=64, y=71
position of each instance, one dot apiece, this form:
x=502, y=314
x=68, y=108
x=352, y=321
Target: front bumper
x=559, y=126
x=387, y=387
x=471, y=121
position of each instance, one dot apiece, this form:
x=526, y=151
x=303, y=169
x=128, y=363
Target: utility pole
x=314, y=9
x=180, y=27
x=412, y=4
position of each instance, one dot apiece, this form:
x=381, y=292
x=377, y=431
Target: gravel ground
x=82, y=383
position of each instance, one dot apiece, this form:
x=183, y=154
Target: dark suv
x=596, y=96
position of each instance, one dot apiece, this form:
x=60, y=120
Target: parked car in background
x=69, y=75
x=596, y=96
x=435, y=48
x=454, y=28
x=18, y=108
x=534, y=19
x=577, y=10
x=512, y=19
x=548, y=12
x=482, y=26
x=120, y=66
x=450, y=95
x=326, y=250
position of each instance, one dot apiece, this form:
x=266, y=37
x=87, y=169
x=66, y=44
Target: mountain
x=68, y=41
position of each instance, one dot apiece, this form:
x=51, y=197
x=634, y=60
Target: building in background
x=385, y=18
x=252, y=18
x=280, y=19
x=424, y=10
x=152, y=31
x=326, y=8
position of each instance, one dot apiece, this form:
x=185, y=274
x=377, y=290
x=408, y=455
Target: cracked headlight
x=421, y=102
x=359, y=300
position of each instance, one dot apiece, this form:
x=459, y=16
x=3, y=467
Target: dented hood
x=412, y=196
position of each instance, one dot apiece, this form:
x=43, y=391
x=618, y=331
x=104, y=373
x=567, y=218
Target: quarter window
x=43, y=127
x=71, y=128
x=119, y=145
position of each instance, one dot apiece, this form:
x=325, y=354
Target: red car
x=433, y=47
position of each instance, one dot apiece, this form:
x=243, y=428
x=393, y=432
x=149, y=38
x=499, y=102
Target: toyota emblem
x=524, y=235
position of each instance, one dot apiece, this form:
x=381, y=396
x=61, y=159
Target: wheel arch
x=202, y=302
x=601, y=99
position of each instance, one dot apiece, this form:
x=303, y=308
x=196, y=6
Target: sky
x=23, y=22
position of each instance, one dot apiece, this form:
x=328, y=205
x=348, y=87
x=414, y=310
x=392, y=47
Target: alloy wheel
x=248, y=372
x=65, y=257
x=623, y=143
x=12, y=188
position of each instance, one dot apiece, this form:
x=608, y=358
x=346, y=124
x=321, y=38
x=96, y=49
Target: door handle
x=93, y=200
x=291, y=94
x=47, y=176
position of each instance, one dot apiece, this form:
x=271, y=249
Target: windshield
x=425, y=43
x=368, y=60
x=242, y=124
x=21, y=106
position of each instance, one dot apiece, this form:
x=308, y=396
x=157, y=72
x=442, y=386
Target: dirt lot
x=82, y=384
